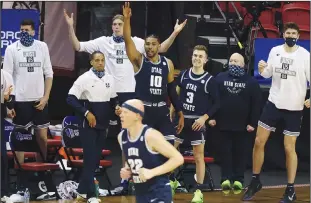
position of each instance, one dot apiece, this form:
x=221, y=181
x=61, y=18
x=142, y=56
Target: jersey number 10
x=155, y=81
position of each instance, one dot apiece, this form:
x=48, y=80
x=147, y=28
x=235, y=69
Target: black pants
x=4, y=158
x=92, y=143
x=233, y=158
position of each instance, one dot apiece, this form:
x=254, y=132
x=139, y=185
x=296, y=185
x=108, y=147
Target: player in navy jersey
x=154, y=76
x=144, y=149
x=200, y=100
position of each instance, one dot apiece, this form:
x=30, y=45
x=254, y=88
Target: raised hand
x=68, y=19
x=127, y=11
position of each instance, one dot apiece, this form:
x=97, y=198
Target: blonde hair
x=120, y=17
x=201, y=48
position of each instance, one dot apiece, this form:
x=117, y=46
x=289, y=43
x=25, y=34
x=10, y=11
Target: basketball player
x=7, y=101
x=289, y=67
x=240, y=105
x=95, y=89
x=28, y=61
x=117, y=61
x=196, y=87
x=154, y=76
x=145, y=149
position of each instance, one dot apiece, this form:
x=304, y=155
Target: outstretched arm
x=131, y=51
x=169, y=41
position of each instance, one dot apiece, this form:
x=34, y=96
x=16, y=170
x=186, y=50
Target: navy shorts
x=159, y=119
x=27, y=115
x=158, y=193
x=272, y=115
x=189, y=136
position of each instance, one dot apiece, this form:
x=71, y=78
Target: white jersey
x=28, y=66
x=117, y=62
x=6, y=82
x=290, y=73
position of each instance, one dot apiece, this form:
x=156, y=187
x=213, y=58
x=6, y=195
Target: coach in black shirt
x=240, y=97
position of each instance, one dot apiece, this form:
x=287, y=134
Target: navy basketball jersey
x=151, y=80
x=193, y=92
x=138, y=156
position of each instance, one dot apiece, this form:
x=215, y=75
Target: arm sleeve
x=114, y=97
x=9, y=82
x=212, y=89
x=307, y=67
x=73, y=101
x=256, y=97
x=172, y=93
x=47, y=66
x=75, y=94
x=267, y=73
x=92, y=45
x=140, y=44
x=8, y=62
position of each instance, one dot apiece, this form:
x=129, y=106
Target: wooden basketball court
x=264, y=196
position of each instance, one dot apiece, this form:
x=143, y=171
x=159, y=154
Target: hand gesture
x=212, y=123
x=68, y=19
x=249, y=128
x=261, y=66
x=179, y=27
x=7, y=94
x=91, y=119
x=198, y=124
x=307, y=103
x=145, y=174
x=42, y=102
x=127, y=11
x=125, y=173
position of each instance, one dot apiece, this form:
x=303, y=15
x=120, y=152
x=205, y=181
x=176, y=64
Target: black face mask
x=290, y=41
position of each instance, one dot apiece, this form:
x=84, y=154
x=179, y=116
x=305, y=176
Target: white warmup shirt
x=116, y=60
x=28, y=66
x=290, y=73
x=95, y=93
x=6, y=82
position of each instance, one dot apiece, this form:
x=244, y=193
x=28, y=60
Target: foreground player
x=155, y=81
x=144, y=149
x=196, y=87
x=289, y=67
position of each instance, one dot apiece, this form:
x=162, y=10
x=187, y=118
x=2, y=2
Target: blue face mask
x=99, y=74
x=26, y=39
x=236, y=71
x=117, y=39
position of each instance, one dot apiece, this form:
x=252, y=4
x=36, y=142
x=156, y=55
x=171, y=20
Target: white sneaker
x=93, y=200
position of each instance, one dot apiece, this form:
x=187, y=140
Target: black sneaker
x=251, y=190
x=289, y=196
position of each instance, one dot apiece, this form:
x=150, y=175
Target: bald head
x=136, y=103
x=237, y=59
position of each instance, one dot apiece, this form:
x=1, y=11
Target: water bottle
x=96, y=187
x=26, y=196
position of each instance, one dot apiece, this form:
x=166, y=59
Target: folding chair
x=23, y=140
x=73, y=148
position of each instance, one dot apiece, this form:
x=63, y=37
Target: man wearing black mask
x=240, y=99
x=289, y=67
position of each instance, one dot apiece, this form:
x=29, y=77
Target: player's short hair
x=154, y=36
x=119, y=16
x=28, y=22
x=291, y=25
x=94, y=53
x=201, y=48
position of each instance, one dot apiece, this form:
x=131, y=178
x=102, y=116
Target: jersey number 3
x=155, y=81
x=135, y=165
x=190, y=97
